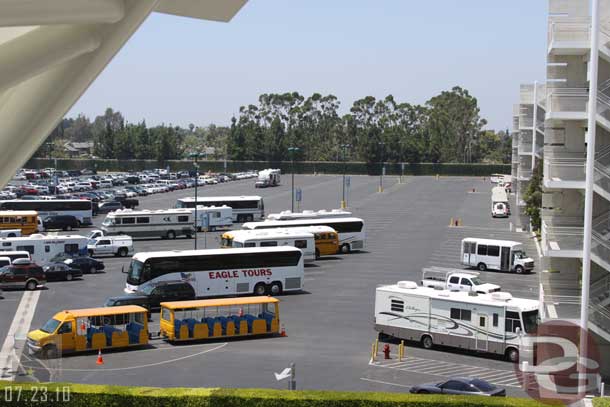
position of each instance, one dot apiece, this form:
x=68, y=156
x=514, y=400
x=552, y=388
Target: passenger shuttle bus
x=214, y=272
x=164, y=223
x=491, y=323
x=272, y=237
x=245, y=208
x=321, y=214
x=502, y=255
x=81, y=209
x=26, y=221
x=43, y=248
x=351, y=230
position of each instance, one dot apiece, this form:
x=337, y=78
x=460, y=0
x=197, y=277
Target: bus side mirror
x=123, y=270
x=518, y=331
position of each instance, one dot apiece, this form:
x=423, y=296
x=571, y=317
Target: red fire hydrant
x=386, y=351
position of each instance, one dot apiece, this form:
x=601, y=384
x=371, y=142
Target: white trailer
x=213, y=217
x=268, y=178
x=44, y=248
x=492, y=323
x=164, y=223
x=300, y=239
x=502, y=255
x=456, y=280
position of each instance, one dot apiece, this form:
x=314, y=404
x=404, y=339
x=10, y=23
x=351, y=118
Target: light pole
x=194, y=156
x=292, y=150
x=381, y=145
x=344, y=147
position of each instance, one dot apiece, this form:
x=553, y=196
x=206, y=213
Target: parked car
x=121, y=245
x=63, y=222
x=22, y=274
x=111, y=206
x=153, y=295
x=61, y=272
x=85, y=264
x=460, y=386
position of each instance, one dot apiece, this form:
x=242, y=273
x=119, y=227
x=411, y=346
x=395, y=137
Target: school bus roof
x=17, y=213
x=219, y=302
x=100, y=312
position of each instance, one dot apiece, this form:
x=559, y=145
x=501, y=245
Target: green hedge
x=81, y=395
x=301, y=167
x=601, y=402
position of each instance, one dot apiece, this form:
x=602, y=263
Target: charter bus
x=502, y=255
x=245, y=208
x=322, y=213
x=490, y=323
x=81, y=209
x=44, y=248
x=272, y=237
x=219, y=318
x=217, y=272
x=26, y=221
x=351, y=230
x=90, y=329
x=163, y=223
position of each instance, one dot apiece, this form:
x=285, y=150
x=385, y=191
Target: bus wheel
x=512, y=355
x=519, y=270
x=49, y=352
x=345, y=248
x=123, y=252
x=426, y=342
x=276, y=288
x=482, y=266
x=260, y=289
x=171, y=234
x=317, y=254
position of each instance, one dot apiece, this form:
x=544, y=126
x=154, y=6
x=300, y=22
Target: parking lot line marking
x=164, y=362
x=19, y=328
x=552, y=311
x=382, y=382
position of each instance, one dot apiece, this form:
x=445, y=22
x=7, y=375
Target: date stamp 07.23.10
x=34, y=394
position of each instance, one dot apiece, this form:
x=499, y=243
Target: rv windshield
x=530, y=321
x=520, y=254
x=108, y=221
x=135, y=272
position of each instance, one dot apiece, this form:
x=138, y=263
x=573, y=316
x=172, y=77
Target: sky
x=180, y=70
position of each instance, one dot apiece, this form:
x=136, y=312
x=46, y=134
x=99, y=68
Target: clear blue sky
x=180, y=70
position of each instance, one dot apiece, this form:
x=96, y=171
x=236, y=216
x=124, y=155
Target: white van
x=499, y=210
x=503, y=255
x=121, y=245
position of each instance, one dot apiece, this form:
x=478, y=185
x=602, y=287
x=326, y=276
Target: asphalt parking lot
x=329, y=325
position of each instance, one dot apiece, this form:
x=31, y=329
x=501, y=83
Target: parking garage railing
x=564, y=166
x=565, y=237
x=567, y=100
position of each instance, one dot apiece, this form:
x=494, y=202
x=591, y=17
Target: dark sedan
x=153, y=295
x=61, y=272
x=460, y=386
x=85, y=264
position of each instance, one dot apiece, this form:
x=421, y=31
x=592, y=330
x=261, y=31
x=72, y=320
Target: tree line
x=280, y=127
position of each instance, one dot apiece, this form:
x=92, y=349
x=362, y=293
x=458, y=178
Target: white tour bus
x=491, y=323
x=43, y=248
x=81, y=209
x=164, y=223
x=215, y=272
x=213, y=217
x=503, y=255
x=274, y=237
x=245, y=208
x=321, y=214
x=351, y=230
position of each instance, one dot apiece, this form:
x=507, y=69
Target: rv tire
x=512, y=355
x=482, y=266
x=426, y=342
x=171, y=235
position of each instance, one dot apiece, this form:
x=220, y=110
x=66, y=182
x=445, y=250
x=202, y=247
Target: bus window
x=482, y=250
x=129, y=221
x=183, y=218
x=268, y=244
x=300, y=244
x=249, y=244
x=143, y=220
x=493, y=251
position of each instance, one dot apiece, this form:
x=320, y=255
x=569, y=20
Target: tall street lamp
x=194, y=156
x=344, y=147
x=381, y=145
x=292, y=150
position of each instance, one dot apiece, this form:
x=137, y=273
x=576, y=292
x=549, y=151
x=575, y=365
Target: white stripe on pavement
x=10, y=355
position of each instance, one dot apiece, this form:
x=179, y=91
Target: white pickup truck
x=117, y=245
x=456, y=280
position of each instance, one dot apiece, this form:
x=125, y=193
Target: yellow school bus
x=326, y=239
x=219, y=318
x=27, y=221
x=90, y=329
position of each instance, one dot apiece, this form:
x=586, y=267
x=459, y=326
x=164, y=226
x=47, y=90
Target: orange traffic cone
x=100, y=360
x=283, y=331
